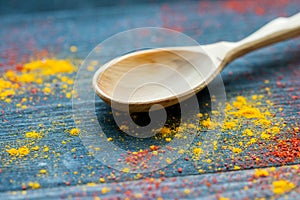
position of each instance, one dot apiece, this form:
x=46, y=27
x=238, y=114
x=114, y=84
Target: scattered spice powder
x=13, y=152
x=223, y=198
x=249, y=130
x=288, y=150
x=165, y=131
x=236, y=150
x=197, y=152
x=32, y=134
x=236, y=167
x=34, y=185
x=74, y=131
x=249, y=6
x=126, y=170
x=105, y=190
x=49, y=66
x=282, y=186
x=23, y=151
x=261, y=173
x=38, y=71
x=102, y=180
x=43, y=171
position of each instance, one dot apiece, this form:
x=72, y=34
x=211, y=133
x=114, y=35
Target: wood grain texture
x=57, y=31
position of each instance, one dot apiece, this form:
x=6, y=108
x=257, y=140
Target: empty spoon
x=139, y=80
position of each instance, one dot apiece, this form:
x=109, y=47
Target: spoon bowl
x=152, y=70
x=139, y=80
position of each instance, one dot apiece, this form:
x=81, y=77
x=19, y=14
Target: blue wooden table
x=59, y=164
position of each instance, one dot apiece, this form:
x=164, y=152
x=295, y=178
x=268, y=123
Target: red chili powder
x=257, y=7
x=287, y=150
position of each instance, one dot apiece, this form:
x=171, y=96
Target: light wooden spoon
x=139, y=80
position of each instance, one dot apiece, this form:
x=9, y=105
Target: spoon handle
x=276, y=30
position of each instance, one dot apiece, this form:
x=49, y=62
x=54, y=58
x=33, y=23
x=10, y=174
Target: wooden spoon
x=139, y=80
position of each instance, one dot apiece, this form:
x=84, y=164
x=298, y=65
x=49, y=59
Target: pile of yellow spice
x=36, y=72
